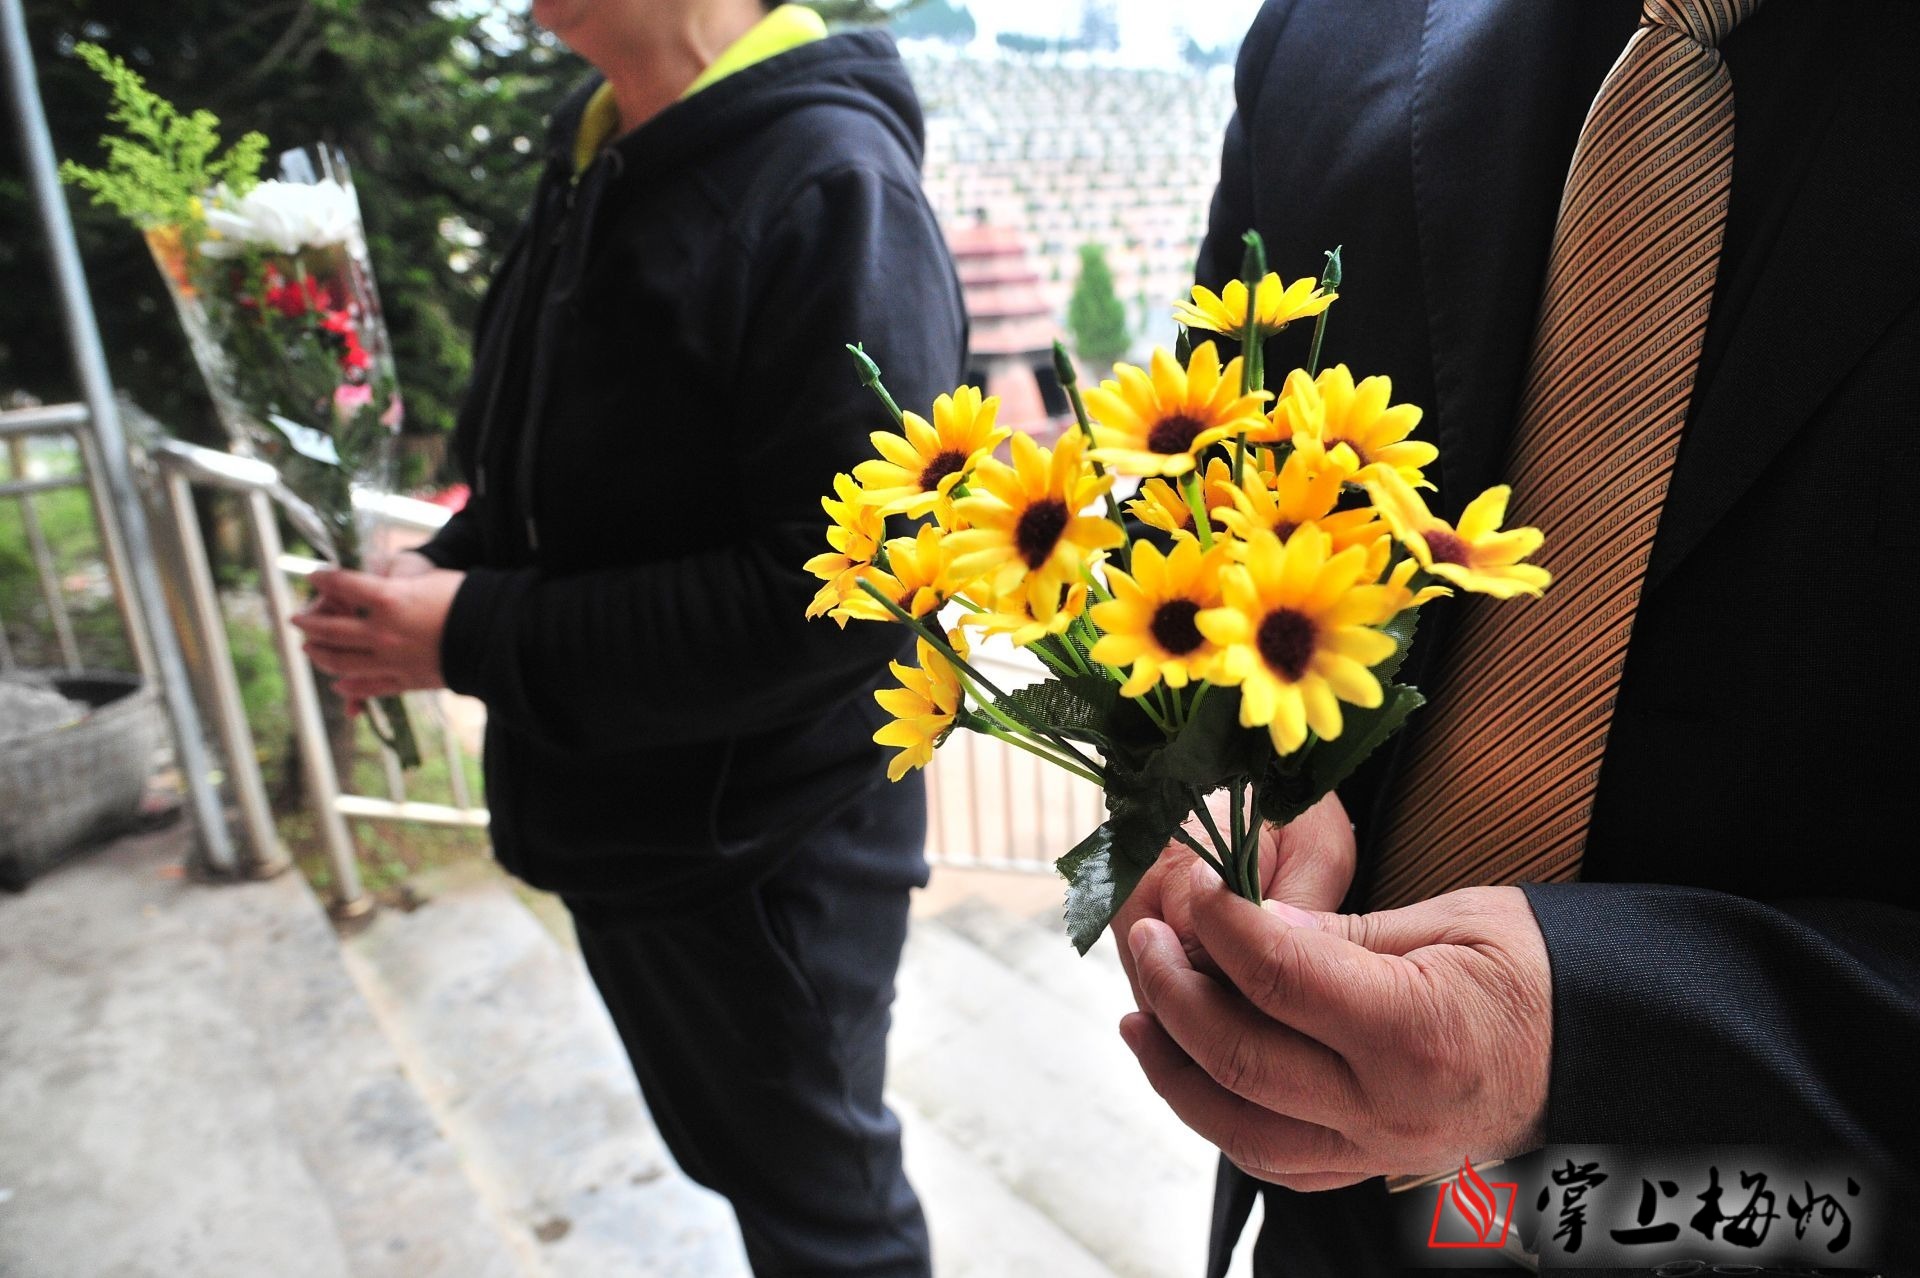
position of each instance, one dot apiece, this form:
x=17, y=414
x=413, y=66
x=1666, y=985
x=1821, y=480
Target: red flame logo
x=1476, y=1201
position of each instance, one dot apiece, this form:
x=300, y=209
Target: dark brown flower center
x=1174, y=434
x=1446, y=548
x=1285, y=529
x=948, y=463
x=1285, y=641
x=1173, y=627
x=1039, y=530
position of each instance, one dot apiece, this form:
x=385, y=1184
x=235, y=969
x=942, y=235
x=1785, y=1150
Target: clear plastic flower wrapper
x=1241, y=632
x=273, y=286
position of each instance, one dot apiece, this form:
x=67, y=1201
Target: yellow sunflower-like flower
x=1025, y=530
x=1149, y=624
x=1398, y=581
x=918, y=576
x=1163, y=506
x=1297, y=635
x=918, y=469
x=1306, y=491
x=1012, y=615
x=1159, y=424
x=1476, y=555
x=855, y=535
x=1276, y=305
x=923, y=707
x=1356, y=424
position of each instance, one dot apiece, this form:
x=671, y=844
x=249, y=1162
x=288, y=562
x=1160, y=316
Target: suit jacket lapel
x=1844, y=265
x=1501, y=91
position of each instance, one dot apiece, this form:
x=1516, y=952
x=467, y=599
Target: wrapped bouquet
x=273, y=286
x=1241, y=631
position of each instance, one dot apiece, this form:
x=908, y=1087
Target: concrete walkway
x=207, y=1081
x=190, y=1084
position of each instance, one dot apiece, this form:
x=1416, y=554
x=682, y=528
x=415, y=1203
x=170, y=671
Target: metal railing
x=185, y=468
x=66, y=421
x=990, y=805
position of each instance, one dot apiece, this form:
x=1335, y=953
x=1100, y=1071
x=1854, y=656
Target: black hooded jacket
x=661, y=398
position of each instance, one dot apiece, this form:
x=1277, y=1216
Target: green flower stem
x=1235, y=817
x=1253, y=268
x=1319, y=334
x=1329, y=280
x=1205, y=814
x=870, y=378
x=1021, y=743
x=1199, y=696
x=988, y=704
x=1250, y=855
x=1100, y=591
x=1181, y=834
x=1159, y=716
x=1197, y=503
x=1051, y=661
x=1070, y=382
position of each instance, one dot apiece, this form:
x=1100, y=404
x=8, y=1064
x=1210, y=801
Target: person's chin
x=556, y=16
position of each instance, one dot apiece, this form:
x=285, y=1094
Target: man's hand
x=380, y=636
x=1348, y=1046
x=1307, y=863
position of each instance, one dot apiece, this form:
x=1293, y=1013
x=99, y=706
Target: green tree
x=1096, y=316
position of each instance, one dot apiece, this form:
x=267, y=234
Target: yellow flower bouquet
x=1241, y=632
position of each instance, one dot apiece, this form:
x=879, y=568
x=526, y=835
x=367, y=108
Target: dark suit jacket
x=1741, y=961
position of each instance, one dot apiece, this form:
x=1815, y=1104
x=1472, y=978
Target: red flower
x=353, y=356
x=297, y=298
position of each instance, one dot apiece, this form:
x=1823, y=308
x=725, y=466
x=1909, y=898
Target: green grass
x=66, y=519
x=390, y=854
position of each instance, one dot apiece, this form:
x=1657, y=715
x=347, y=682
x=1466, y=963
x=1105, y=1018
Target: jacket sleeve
x=717, y=643
x=1683, y=1015
x=458, y=543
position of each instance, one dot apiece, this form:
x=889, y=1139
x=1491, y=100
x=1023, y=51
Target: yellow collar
x=788, y=27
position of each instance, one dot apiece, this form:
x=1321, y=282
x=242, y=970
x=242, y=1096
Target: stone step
x=1012, y=1055
x=512, y=1049
x=191, y=1084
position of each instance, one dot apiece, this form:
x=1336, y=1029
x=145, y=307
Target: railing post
x=320, y=783
x=266, y=855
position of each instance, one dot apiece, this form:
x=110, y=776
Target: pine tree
x=1095, y=315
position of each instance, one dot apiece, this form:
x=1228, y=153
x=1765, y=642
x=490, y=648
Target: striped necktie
x=1499, y=782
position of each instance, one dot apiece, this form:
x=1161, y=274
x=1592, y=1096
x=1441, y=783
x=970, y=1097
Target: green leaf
x=1298, y=783
x=165, y=162
x=1099, y=881
x=1401, y=628
x=1213, y=748
x=1079, y=707
x=1148, y=795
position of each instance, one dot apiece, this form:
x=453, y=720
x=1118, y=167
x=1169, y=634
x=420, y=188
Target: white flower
x=283, y=216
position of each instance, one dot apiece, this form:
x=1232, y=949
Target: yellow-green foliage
x=158, y=169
